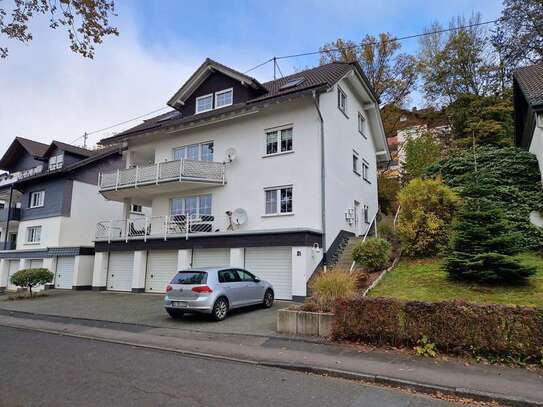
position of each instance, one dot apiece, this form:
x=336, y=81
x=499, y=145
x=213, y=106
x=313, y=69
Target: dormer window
x=224, y=98
x=215, y=100
x=56, y=162
x=204, y=103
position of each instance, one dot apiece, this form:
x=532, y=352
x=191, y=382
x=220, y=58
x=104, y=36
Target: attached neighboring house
x=411, y=124
x=266, y=176
x=528, y=102
x=51, y=204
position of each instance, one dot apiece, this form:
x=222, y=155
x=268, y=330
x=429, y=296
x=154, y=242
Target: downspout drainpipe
x=316, y=99
x=6, y=233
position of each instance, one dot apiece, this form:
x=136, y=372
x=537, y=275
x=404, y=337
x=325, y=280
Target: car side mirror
x=257, y=280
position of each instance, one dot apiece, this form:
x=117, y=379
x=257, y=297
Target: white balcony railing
x=164, y=227
x=179, y=170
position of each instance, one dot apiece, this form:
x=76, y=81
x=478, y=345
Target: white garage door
x=64, y=276
x=119, y=274
x=36, y=263
x=273, y=264
x=210, y=257
x=161, y=268
x=13, y=268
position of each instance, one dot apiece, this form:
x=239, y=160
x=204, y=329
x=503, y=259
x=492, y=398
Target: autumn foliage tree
x=427, y=210
x=87, y=22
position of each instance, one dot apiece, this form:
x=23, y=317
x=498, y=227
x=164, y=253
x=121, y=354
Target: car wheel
x=175, y=314
x=268, y=299
x=220, y=309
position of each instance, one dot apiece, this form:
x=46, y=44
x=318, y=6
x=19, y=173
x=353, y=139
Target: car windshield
x=190, y=277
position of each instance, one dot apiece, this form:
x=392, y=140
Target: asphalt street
x=40, y=369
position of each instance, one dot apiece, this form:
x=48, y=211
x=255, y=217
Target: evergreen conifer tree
x=483, y=243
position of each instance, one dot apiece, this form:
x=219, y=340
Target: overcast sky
x=48, y=93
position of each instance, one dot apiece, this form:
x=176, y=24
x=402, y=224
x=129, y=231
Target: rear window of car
x=190, y=277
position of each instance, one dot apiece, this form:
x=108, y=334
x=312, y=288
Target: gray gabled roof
x=323, y=76
x=530, y=81
x=83, y=152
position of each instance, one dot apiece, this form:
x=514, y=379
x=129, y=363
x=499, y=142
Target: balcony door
x=196, y=152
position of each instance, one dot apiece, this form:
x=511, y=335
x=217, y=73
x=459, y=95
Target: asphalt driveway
x=145, y=309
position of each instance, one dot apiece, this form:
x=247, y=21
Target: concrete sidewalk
x=508, y=385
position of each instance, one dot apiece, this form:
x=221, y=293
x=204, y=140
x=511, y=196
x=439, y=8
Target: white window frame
x=200, y=147
x=40, y=199
x=356, y=162
x=204, y=97
x=134, y=208
x=33, y=234
x=222, y=92
x=277, y=190
x=366, y=214
x=279, y=131
x=56, y=161
x=341, y=92
x=183, y=206
x=366, y=170
x=361, y=121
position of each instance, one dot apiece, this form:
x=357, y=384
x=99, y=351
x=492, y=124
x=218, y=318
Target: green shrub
x=374, y=254
x=427, y=210
x=514, y=180
x=330, y=286
x=385, y=229
x=452, y=326
x=31, y=278
x=388, y=189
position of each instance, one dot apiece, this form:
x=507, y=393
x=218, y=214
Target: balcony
x=14, y=214
x=183, y=171
x=163, y=227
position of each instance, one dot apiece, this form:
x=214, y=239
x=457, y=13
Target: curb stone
x=421, y=387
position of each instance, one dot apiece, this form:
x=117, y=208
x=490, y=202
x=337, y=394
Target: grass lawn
x=424, y=280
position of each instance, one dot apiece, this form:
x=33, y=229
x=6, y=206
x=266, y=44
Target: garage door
x=119, y=274
x=161, y=267
x=13, y=268
x=36, y=263
x=273, y=264
x=64, y=276
x=210, y=257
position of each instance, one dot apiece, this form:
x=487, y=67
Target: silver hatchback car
x=215, y=291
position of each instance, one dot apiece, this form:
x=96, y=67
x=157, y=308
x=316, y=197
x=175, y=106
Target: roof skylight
x=292, y=83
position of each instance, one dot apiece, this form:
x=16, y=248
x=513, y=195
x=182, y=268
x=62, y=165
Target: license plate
x=179, y=304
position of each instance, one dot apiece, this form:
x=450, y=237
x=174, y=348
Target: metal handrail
x=191, y=170
x=159, y=226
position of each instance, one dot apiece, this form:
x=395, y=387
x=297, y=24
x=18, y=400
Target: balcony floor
x=146, y=192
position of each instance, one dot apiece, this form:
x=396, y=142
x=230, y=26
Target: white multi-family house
x=263, y=176
x=49, y=205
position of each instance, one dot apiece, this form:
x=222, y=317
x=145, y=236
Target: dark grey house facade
x=49, y=201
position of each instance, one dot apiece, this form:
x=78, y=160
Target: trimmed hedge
x=453, y=326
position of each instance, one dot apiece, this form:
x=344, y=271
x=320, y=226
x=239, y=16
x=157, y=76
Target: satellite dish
x=231, y=155
x=239, y=216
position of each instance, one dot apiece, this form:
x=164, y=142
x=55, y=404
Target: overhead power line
x=407, y=37
x=303, y=54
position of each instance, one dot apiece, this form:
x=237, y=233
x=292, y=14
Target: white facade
x=319, y=169
x=536, y=146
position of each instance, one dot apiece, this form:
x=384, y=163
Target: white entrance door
x=119, y=274
x=357, y=218
x=36, y=263
x=273, y=264
x=64, y=276
x=211, y=258
x=13, y=268
x=161, y=268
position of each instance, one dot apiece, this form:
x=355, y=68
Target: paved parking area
x=146, y=309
